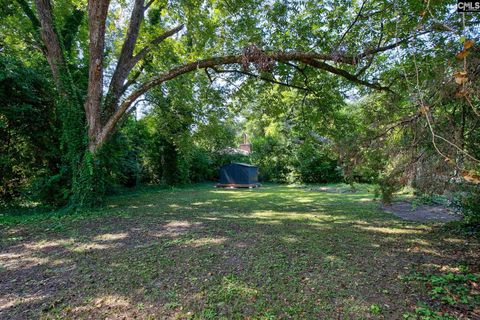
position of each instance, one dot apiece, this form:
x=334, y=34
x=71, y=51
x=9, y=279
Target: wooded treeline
x=97, y=94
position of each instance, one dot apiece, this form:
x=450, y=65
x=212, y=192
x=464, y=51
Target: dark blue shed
x=238, y=175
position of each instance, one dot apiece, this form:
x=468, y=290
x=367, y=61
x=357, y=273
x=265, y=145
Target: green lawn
x=202, y=253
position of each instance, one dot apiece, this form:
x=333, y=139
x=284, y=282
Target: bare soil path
x=422, y=213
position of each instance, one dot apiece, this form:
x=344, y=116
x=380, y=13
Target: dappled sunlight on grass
x=333, y=259
x=84, y=247
x=424, y=250
x=206, y=241
x=365, y=199
x=264, y=214
x=111, y=301
x=420, y=242
x=211, y=218
x=455, y=240
x=279, y=215
x=232, y=287
x=305, y=200
x=203, y=253
x=10, y=301
x=177, y=225
x=107, y=306
x=390, y=230
x=44, y=244
x=23, y=260
x=289, y=239
x=201, y=203
x=111, y=236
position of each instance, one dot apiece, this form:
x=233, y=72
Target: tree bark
x=97, y=15
x=125, y=63
x=53, y=49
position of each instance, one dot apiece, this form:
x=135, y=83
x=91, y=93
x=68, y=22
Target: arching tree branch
x=344, y=74
x=173, y=73
x=267, y=79
x=308, y=58
x=142, y=53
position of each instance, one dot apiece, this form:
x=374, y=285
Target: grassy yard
x=202, y=253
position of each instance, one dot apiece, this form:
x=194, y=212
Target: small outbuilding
x=238, y=175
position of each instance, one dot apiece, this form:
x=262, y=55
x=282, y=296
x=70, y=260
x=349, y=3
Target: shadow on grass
x=202, y=253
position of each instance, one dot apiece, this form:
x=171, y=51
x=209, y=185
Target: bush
x=52, y=190
x=469, y=204
x=29, y=144
x=201, y=165
x=387, y=186
x=318, y=169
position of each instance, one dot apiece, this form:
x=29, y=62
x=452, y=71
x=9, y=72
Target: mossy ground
x=204, y=253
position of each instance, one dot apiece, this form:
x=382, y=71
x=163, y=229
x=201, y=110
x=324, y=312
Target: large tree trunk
x=97, y=15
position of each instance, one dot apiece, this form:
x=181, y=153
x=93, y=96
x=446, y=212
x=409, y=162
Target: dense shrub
x=29, y=142
x=387, y=186
x=469, y=204
x=201, y=165
x=315, y=165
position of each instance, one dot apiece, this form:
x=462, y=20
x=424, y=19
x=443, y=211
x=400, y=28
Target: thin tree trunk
x=125, y=61
x=53, y=49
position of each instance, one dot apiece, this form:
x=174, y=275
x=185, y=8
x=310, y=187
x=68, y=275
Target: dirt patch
x=422, y=213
